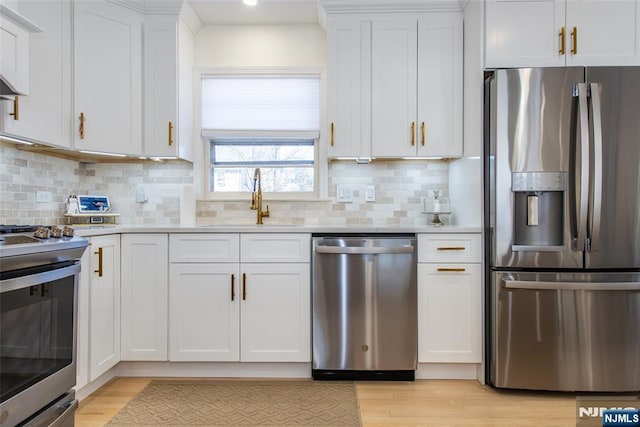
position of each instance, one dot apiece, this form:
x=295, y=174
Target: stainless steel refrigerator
x=562, y=181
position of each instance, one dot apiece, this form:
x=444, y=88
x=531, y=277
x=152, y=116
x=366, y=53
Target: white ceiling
x=265, y=12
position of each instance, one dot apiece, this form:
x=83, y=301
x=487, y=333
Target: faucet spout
x=256, y=197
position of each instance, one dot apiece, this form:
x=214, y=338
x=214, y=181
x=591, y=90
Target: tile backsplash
x=399, y=187
x=23, y=173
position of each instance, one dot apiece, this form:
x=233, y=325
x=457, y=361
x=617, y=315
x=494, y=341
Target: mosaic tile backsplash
x=400, y=186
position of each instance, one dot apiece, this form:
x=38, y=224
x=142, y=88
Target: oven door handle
x=38, y=278
x=572, y=286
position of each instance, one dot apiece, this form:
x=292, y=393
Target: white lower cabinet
x=145, y=293
x=275, y=311
x=449, y=299
x=231, y=310
x=99, y=309
x=204, y=312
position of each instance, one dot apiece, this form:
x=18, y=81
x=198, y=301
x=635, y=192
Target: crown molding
x=387, y=6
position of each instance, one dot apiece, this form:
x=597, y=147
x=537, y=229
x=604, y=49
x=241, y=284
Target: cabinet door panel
x=281, y=248
x=108, y=77
x=204, y=312
x=105, y=305
x=607, y=32
x=145, y=280
x=204, y=247
x=524, y=33
x=276, y=324
x=348, y=88
x=394, y=81
x=161, y=81
x=449, y=313
x=440, y=85
x=45, y=115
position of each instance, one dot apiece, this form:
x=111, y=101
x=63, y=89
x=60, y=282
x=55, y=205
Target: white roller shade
x=260, y=103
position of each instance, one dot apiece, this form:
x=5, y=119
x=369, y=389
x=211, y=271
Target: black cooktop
x=6, y=229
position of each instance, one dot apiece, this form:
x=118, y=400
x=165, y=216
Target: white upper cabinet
x=15, y=29
x=440, y=73
x=558, y=32
x=168, y=87
x=349, y=87
x=108, y=78
x=417, y=86
x=44, y=115
x=602, y=32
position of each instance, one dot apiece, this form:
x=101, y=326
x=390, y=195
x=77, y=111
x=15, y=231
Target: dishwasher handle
x=358, y=250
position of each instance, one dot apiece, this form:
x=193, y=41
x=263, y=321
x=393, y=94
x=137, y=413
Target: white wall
x=260, y=46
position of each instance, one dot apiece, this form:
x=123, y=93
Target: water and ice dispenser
x=538, y=209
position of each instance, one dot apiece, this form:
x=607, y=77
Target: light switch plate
x=370, y=193
x=43, y=197
x=344, y=193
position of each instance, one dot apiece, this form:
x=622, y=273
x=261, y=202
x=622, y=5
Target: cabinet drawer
x=449, y=248
x=276, y=247
x=204, y=247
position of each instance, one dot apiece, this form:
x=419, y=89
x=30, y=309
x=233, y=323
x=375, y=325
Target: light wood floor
x=419, y=403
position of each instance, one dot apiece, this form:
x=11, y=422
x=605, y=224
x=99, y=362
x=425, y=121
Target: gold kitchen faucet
x=256, y=197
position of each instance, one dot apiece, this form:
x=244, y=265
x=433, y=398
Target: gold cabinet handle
x=562, y=41
x=413, y=133
x=451, y=270
x=244, y=286
x=332, y=134
x=99, y=270
x=81, y=128
x=452, y=248
x=170, y=134
x=233, y=287
x=422, y=128
x=16, y=108
x=574, y=39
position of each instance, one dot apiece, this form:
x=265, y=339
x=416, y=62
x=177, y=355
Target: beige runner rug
x=242, y=403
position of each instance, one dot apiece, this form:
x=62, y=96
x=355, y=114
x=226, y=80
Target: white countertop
x=94, y=230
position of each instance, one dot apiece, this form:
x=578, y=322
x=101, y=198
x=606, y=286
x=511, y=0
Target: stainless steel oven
x=38, y=323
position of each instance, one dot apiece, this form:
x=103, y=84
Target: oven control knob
x=56, y=231
x=67, y=231
x=42, y=233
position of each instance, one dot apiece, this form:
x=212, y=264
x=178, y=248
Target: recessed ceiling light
x=250, y=2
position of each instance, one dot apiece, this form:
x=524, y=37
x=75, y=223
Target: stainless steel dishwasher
x=364, y=307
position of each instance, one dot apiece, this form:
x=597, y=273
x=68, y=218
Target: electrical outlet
x=43, y=197
x=370, y=193
x=344, y=193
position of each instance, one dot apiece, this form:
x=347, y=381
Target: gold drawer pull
x=562, y=41
x=233, y=287
x=244, y=286
x=81, y=128
x=99, y=270
x=413, y=134
x=452, y=270
x=452, y=248
x=332, y=134
x=16, y=109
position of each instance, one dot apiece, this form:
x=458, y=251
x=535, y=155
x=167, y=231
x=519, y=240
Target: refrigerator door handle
x=595, y=200
x=580, y=90
x=571, y=286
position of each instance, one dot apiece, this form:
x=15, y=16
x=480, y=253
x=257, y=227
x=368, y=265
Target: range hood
x=6, y=89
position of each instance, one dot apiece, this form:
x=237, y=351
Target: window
x=266, y=122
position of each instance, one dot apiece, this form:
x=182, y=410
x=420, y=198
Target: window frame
x=320, y=155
